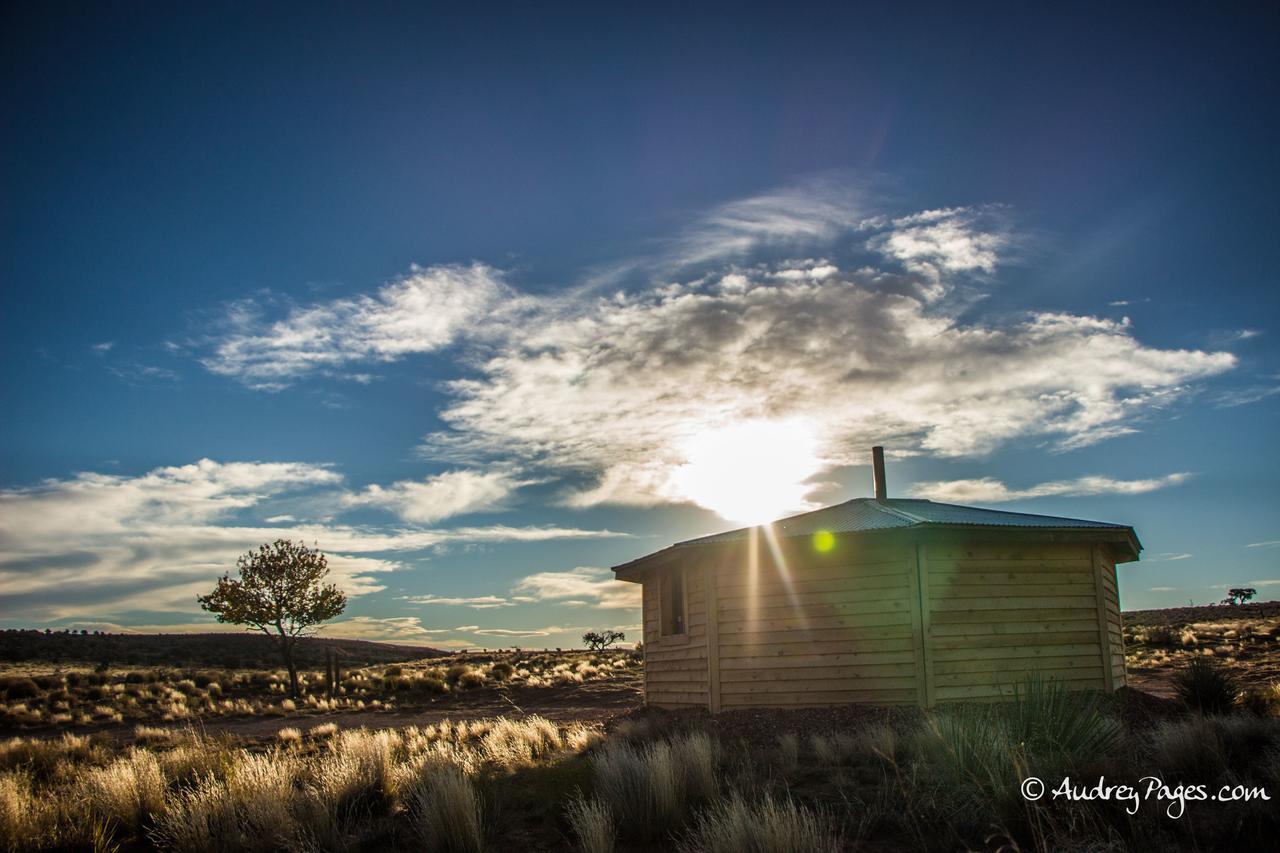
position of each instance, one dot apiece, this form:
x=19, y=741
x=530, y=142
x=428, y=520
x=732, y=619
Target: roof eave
x=1124, y=537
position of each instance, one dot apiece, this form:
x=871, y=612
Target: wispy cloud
x=813, y=212
x=95, y=545
x=1167, y=557
x=989, y=490
x=1274, y=543
x=479, y=602
x=421, y=312
x=589, y=586
x=527, y=632
x=1245, y=396
x=442, y=496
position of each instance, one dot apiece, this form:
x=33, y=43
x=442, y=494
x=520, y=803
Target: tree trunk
x=286, y=650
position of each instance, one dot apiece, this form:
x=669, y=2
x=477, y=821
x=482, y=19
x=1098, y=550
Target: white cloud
x=1168, y=557
x=1274, y=543
x=97, y=545
x=422, y=312
x=104, y=347
x=442, y=496
x=989, y=490
x=1163, y=589
x=619, y=387
x=593, y=586
x=873, y=340
x=937, y=243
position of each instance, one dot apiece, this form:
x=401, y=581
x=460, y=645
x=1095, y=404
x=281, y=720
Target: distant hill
x=1202, y=613
x=230, y=650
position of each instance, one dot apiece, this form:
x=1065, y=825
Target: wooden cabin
x=884, y=601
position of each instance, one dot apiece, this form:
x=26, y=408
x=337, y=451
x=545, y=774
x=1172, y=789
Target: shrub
x=1055, y=723
x=324, y=730
x=393, y=671
x=457, y=671
x=1262, y=701
x=772, y=826
x=1207, y=686
x=592, y=824
x=147, y=735
x=1187, y=749
x=21, y=688
x=501, y=671
x=444, y=811
x=471, y=679
x=1162, y=636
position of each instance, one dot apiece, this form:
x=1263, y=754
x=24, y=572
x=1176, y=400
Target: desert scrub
x=1207, y=686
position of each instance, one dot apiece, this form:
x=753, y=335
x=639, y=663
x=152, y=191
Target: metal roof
x=864, y=514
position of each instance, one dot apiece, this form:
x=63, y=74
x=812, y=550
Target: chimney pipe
x=877, y=468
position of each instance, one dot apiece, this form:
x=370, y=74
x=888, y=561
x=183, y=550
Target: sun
x=750, y=472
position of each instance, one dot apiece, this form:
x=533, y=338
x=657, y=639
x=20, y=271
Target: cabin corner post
x=1104, y=634
x=713, y=638
x=918, y=593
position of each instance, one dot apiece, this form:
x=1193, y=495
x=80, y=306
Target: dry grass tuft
x=592, y=824
x=445, y=813
x=771, y=826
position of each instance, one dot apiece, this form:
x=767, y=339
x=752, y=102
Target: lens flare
x=824, y=541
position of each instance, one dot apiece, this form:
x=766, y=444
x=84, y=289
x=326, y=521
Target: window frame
x=668, y=620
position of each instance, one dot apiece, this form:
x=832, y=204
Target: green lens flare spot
x=824, y=540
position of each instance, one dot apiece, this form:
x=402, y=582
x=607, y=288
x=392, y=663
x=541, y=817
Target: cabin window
x=672, y=604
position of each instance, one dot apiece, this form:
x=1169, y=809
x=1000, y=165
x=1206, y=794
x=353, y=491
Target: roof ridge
x=1028, y=514
x=893, y=510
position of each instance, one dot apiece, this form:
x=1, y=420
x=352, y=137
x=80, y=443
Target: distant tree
x=1239, y=595
x=598, y=640
x=280, y=592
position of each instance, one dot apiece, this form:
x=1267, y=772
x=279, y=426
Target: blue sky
x=483, y=304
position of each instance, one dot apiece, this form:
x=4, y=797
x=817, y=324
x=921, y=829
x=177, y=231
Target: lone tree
x=1239, y=595
x=597, y=640
x=281, y=593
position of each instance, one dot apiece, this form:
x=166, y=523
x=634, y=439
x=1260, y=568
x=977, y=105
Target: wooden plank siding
x=1115, y=623
x=834, y=633
x=1000, y=611
x=912, y=620
x=676, y=665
